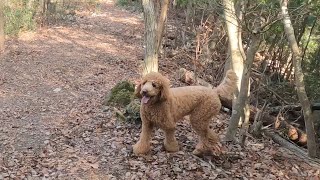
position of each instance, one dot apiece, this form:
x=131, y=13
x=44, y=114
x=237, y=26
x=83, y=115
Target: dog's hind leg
x=207, y=137
x=170, y=142
x=143, y=145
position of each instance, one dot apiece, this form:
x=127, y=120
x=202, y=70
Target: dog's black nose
x=144, y=92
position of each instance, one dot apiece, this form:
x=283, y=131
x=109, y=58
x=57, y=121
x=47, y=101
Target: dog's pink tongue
x=145, y=99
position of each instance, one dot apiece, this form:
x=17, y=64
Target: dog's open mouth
x=145, y=99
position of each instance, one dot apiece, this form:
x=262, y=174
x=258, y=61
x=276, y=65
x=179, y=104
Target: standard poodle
x=163, y=107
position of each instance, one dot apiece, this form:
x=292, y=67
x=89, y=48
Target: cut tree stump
x=293, y=133
x=191, y=79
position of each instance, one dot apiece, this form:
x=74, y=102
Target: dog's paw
x=172, y=146
x=140, y=148
x=197, y=152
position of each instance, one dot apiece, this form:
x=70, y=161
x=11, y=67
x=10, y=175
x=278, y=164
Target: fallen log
x=292, y=147
x=277, y=109
x=314, y=107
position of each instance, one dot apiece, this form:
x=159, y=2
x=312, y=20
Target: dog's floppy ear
x=164, y=93
x=137, y=91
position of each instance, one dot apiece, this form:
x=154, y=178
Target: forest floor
x=54, y=126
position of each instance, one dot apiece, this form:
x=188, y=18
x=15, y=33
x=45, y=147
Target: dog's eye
x=154, y=84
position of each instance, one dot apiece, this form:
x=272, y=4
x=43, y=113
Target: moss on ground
x=121, y=94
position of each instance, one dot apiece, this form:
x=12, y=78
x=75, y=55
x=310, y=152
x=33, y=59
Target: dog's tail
x=228, y=86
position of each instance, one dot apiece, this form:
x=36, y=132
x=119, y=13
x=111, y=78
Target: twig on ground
x=210, y=165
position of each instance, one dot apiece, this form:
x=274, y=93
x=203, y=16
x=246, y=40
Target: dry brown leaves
x=53, y=124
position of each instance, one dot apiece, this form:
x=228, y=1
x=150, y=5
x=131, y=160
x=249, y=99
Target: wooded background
x=275, y=40
x=271, y=45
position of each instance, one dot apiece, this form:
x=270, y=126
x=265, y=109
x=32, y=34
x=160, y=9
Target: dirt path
x=58, y=76
x=53, y=124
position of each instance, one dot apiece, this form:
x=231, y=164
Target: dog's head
x=153, y=88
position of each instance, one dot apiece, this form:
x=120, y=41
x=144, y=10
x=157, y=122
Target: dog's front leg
x=143, y=145
x=170, y=142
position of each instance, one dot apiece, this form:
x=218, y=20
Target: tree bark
x=306, y=47
x=235, y=40
x=239, y=9
x=150, y=37
x=161, y=22
x=236, y=60
x=30, y=4
x=299, y=80
x=2, y=22
x=242, y=103
x=316, y=116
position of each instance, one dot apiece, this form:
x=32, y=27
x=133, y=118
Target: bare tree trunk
x=150, y=37
x=239, y=9
x=43, y=11
x=306, y=47
x=30, y=4
x=242, y=103
x=162, y=21
x=316, y=117
x=236, y=60
x=2, y=33
x=302, y=28
x=188, y=14
x=303, y=98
